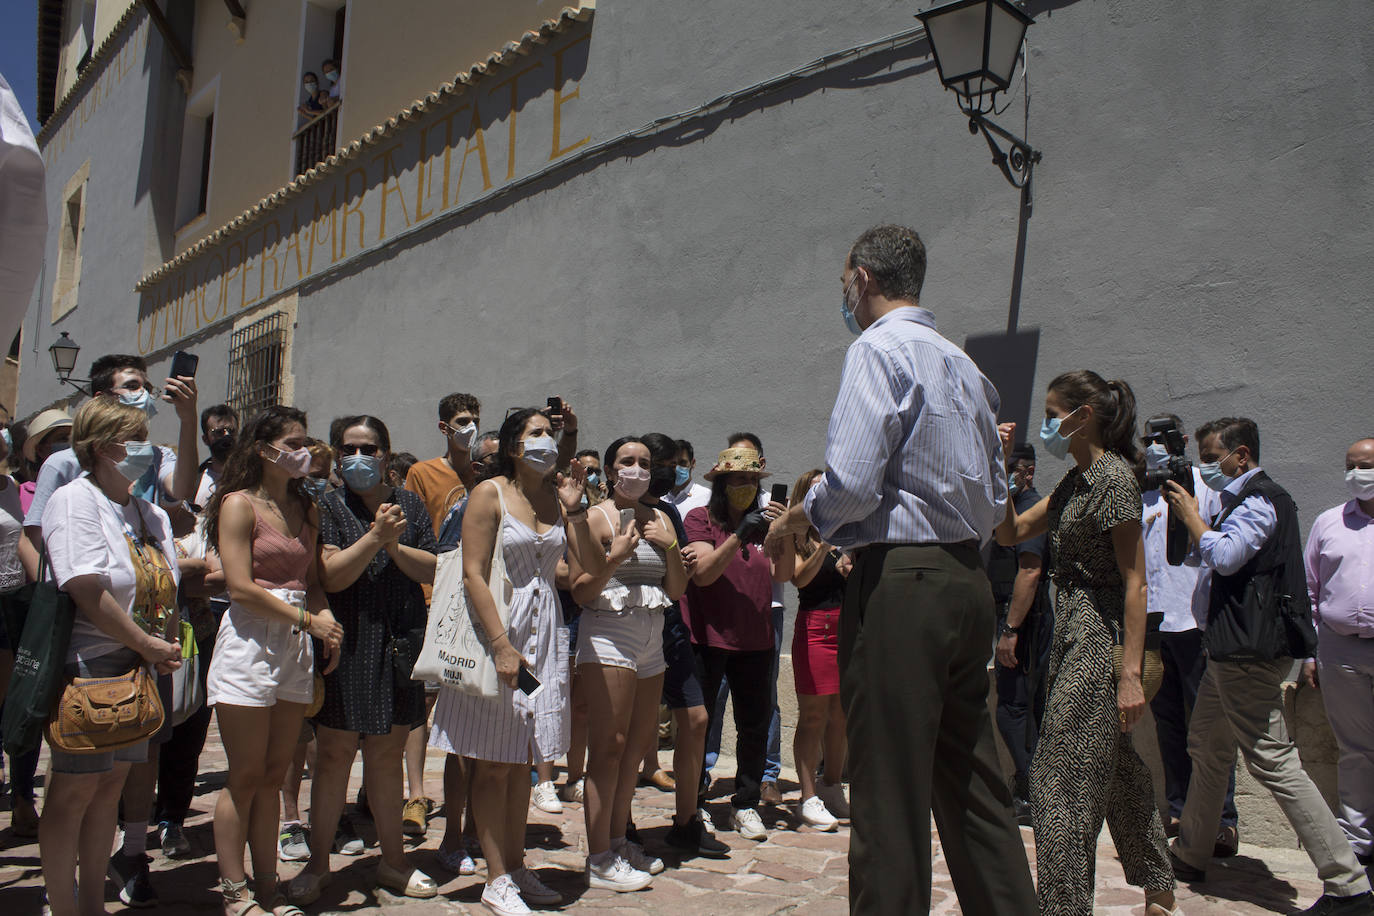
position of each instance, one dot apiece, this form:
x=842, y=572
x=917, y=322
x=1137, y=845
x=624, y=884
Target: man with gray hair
x=914, y=484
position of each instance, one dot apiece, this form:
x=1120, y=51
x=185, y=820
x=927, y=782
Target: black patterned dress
x=383, y=617
x=1084, y=768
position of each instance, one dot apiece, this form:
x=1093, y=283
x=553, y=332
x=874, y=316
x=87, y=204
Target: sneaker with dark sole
x=293, y=844
x=130, y=874
x=692, y=839
x=346, y=839
x=172, y=840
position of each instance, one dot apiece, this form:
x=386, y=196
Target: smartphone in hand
x=627, y=517
x=528, y=684
x=555, y=409
x=779, y=494
x=184, y=364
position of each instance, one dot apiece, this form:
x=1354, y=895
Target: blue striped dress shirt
x=912, y=453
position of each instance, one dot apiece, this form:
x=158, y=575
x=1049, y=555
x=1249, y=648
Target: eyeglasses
x=368, y=449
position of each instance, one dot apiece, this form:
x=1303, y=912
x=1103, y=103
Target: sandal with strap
x=237, y=892
x=285, y=909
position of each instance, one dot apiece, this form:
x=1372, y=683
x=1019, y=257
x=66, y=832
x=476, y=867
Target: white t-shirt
x=84, y=531
x=694, y=496
x=209, y=479
x=11, y=528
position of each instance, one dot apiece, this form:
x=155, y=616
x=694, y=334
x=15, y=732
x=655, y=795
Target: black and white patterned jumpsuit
x=1084, y=768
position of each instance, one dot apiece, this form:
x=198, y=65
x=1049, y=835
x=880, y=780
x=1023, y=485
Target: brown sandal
x=285, y=909
x=237, y=892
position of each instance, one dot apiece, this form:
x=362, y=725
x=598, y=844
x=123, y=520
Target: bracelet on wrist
x=672, y=546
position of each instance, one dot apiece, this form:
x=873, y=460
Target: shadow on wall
x=1008, y=360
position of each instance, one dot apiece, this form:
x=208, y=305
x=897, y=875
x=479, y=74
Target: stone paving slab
x=796, y=871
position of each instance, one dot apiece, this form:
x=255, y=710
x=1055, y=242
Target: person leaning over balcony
x=331, y=94
x=313, y=104
x=112, y=552
x=1340, y=581
x=262, y=677
x=377, y=547
x=1085, y=757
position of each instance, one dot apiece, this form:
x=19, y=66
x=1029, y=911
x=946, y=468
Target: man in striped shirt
x=914, y=483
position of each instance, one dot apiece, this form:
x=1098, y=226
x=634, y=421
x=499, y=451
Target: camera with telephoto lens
x=1164, y=431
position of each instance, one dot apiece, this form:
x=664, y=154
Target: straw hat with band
x=738, y=461
x=44, y=423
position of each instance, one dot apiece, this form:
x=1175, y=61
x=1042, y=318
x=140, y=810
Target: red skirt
x=816, y=652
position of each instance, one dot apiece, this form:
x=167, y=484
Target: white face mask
x=1361, y=482
x=541, y=453
x=462, y=436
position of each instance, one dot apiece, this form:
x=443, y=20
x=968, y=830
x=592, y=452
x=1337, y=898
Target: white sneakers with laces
x=814, y=814
x=546, y=798
x=615, y=874
x=503, y=898
x=748, y=824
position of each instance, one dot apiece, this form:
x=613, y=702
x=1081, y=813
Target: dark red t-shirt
x=736, y=611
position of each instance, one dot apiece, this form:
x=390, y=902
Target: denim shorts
x=120, y=661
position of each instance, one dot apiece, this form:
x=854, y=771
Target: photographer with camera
x=1178, y=594
x=1259, y=619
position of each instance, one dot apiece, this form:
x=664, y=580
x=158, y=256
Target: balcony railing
x=316, y=140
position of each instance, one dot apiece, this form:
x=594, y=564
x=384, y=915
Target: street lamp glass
x=976, y=43
x=64, y=351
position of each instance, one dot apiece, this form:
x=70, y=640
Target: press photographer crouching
x=1259, y=618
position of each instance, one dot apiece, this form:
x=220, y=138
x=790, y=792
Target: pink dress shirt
x=1340, y=579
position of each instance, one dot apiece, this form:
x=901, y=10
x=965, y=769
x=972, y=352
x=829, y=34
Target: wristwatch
x=1005, y=630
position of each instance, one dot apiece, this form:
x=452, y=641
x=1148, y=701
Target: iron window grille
x=256, y=359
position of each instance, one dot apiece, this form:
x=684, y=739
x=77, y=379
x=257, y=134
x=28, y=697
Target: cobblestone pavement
x=796, y=871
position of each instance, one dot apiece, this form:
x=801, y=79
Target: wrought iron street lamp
x=64, y=352
x=976, y=44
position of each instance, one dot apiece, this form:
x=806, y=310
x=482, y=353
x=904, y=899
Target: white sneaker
x=706, y=821
x=502, y=897
x=533, y=890
x=617, y=875
x=571, y=792
x=814, y=814
x=748, y=824
x=833, y=796
x=638, y=858
x=546, y=798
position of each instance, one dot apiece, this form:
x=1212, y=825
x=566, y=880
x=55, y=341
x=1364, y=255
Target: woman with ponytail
x=1096, y=696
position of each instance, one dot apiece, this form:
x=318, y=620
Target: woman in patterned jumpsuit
x=1085, y=767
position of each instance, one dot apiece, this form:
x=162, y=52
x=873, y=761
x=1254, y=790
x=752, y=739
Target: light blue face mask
x=1156, y=456
x=682, y=476
x=361, y=472
x=314, y=486
x=138, y=457
x=143, y=400
x=851, y=321
x=1212, y=475
x=1054, y=443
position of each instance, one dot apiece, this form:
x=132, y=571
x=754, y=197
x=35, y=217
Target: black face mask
x=221, y=447
x=662, y=479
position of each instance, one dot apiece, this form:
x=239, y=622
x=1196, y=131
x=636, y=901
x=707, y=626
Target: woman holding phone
x=620, y=657
x=523, y=504
x=729, y=610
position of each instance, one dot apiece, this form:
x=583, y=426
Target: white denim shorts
x=258, y=662
x=632, y=638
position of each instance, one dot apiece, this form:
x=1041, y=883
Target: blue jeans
x=773, y=759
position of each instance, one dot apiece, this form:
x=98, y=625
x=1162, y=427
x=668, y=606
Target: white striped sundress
x=511, y=728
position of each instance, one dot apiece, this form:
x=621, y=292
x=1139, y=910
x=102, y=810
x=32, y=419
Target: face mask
x=462, y=436
x=661, y=480
x=631, y=483
x=332, y=77
x=593, y=479
x=315, y=486
x=138, y=457
x=1361, y=482
x=361, y=472
x=9, y=439
x=851, y=321
x=1054, y=443
x=541, y=454
x=682, y=476
x=295, y=464
x=1013, y=486
x=311, y=87
x=221, y=447
x=1156, y=456
x=742, y=496
x=1213, y=477
x=144, y=401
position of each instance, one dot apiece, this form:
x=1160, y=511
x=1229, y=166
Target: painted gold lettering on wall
x=418, y=176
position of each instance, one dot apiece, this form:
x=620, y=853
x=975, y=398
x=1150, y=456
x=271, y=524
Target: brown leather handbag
x=100, y=714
